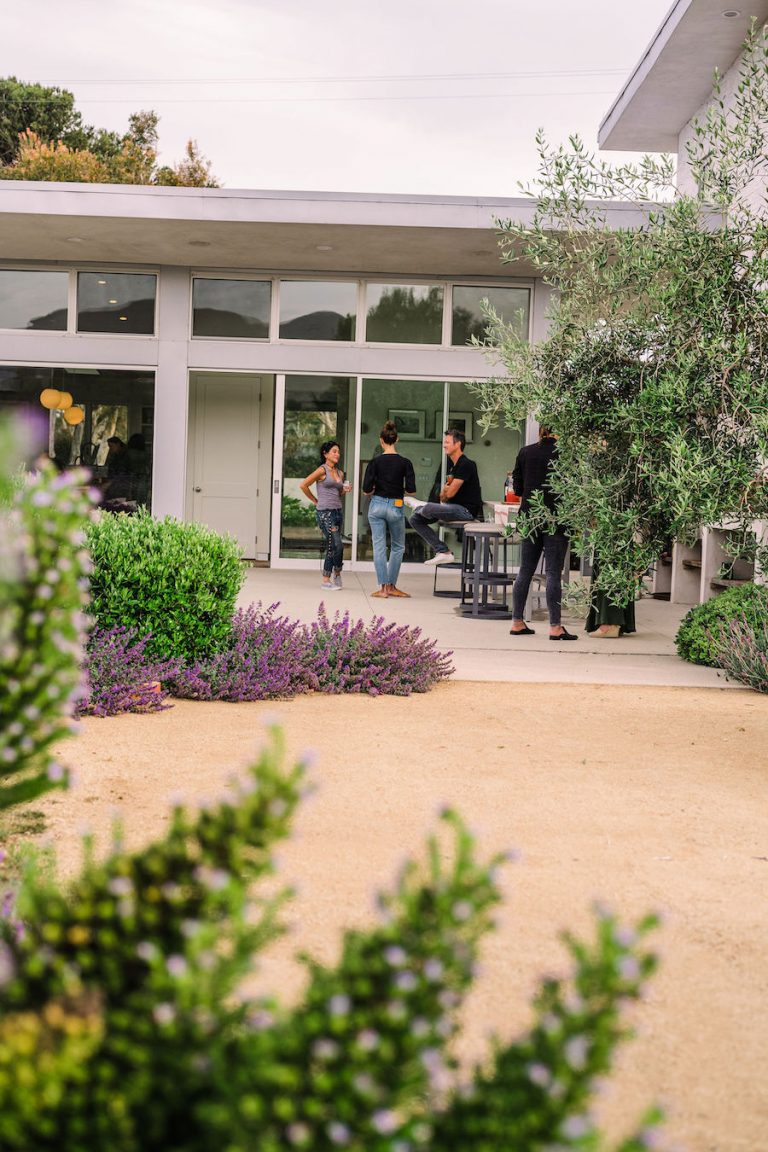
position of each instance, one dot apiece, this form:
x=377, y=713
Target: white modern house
x=232, y=332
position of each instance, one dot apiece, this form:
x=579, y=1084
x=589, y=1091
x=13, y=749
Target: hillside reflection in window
x=238, y=309
x=33, y=300
x=404, y=314
x=121, y=302
x=317, y=310
x=511, y=304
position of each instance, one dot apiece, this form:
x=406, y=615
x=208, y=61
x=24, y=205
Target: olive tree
x=654, y=372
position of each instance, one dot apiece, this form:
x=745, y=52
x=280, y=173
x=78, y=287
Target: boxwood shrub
x=700, y=629
x=177, y=581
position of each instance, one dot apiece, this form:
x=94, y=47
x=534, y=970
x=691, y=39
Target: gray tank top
x=328, y=492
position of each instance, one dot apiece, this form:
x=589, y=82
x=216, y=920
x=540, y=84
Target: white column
x=169, y=487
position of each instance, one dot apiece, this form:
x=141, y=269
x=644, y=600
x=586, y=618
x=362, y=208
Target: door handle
x=196, y=489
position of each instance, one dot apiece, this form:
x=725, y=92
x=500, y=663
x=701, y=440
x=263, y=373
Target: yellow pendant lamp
x=74, y=415
x=49, y=398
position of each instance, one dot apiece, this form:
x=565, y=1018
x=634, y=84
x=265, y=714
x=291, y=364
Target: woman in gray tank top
x=331, y=486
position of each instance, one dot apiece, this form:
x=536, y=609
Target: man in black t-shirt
x=460, y=498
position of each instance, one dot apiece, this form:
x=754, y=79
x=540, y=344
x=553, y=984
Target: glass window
x=238, y=309
x=317, y=409
x=70, y=414
x=404, y=314
x=317, y=310
x=122, y=302
x=36, y=300
x=512, y=304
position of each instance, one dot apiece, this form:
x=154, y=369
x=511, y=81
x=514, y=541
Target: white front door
x=225, y=459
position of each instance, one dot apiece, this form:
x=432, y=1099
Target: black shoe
x=564, y=636
x=524, y=631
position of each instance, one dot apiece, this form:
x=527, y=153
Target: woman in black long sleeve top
x=387, y=479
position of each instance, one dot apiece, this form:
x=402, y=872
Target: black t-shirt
x=390, y=476
x=469, y=495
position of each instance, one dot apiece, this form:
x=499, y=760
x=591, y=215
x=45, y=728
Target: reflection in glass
x=426, y=399
x=114, y=403
x=404, y=314
x=238, y=309
x=511, y=304
x=122, y=302
x=317, y=310
x=36, y=300
x=317, y=409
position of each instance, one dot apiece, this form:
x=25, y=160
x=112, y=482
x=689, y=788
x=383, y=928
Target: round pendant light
x=49, y=398
x=74, y=415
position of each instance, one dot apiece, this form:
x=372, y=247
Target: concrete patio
x=483, y=649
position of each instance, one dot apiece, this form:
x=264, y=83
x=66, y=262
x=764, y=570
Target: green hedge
x=700, y=628
x=177, y=581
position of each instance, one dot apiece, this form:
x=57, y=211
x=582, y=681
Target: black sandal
x=526, y=631
x=564, y=635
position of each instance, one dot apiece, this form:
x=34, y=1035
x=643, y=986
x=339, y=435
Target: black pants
x=554, y=546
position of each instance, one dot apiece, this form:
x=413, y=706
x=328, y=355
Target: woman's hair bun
x=389, y=432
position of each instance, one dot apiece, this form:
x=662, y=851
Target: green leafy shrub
x=698, y=634
x=124, y=1023
x=42, y=597
x=178, y=581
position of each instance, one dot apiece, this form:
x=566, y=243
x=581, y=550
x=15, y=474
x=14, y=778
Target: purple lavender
x=121, y=677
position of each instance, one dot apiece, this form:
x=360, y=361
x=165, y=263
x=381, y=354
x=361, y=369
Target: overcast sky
x=421, y=96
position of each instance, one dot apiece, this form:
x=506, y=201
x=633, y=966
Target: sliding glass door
x=315, y=409
x=352, y=410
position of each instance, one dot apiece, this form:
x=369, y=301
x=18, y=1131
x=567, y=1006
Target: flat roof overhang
x=674, y=77
x=303, y=232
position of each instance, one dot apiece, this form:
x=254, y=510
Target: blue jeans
x=554, y=546
x=383, y=515
x=422, y=520
x=329, y=521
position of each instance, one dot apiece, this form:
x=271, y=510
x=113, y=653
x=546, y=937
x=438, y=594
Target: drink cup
x=346, y=486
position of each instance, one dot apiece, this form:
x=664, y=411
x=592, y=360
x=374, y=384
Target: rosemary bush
x=741, y=650
x=698, y=637
x=124, y=1022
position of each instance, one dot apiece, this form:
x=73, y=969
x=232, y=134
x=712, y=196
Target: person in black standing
x=387, y=479
x=530, y=475
x=459, y=500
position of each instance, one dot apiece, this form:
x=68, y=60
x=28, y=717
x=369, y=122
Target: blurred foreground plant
x=43, y=590
x=125, y=1023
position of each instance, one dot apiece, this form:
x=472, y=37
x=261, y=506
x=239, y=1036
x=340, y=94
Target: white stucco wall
x=756, y=192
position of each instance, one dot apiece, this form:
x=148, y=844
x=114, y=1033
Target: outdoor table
x=483, y=547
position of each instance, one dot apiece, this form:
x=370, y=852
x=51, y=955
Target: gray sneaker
x=440, y=558
x=331, y=586
x=336, y=580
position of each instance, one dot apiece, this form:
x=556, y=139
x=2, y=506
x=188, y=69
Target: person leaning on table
x=530, y=475
x=460, y=498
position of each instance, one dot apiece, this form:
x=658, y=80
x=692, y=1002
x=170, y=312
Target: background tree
x=43, y=137
x=655, y=369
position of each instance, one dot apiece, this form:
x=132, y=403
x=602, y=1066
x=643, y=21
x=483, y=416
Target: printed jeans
x=554, y=546
x=382, y=515
x=329, y=521
x=422, y=520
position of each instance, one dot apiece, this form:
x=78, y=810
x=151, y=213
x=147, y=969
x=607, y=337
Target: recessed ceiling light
x=731, y=13
x=75, y=240
x=324, y=247
x=113, y=301
x=123, y=317
x=101, y=281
